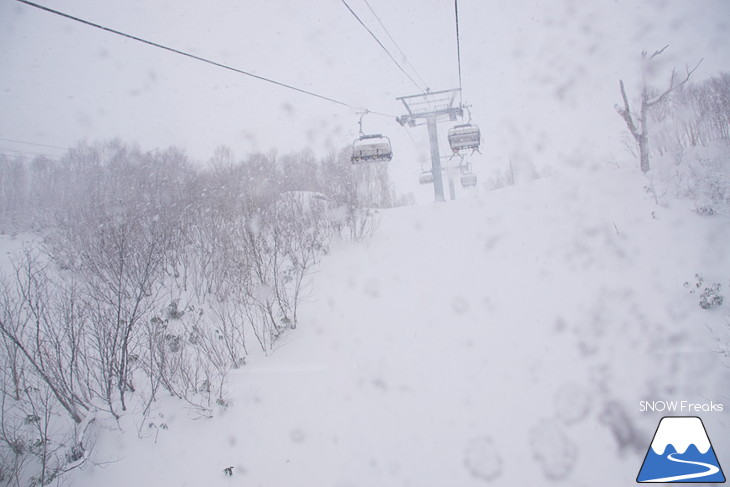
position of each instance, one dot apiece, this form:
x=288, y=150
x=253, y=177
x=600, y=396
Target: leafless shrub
x=151, y=277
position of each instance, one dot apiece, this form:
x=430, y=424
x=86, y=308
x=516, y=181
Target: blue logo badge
x=681, y=452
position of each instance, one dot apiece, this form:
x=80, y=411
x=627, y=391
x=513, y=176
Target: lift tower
x=432, y=106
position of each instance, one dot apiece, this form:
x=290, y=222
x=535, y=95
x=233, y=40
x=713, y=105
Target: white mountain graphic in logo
x=681, y=452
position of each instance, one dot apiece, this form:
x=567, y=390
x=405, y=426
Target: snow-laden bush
x=690, y=144
x=45, y=385
x=701, y=174
x=709, y=294
x=153, y=276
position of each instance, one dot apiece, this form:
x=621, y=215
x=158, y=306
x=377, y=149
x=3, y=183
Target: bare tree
x=638, y=124
x=86, y=326
x=42, y=323
x=695, y=115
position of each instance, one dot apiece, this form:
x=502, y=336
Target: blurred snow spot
x=84, y=120
x=297, y=436
x=618, y=421
x=459, y=305
x=380, y=384
x=572, y=402
x=482, y=459
x=591, y=333
x=553, y=450
x=491, y=242
x=372, y=288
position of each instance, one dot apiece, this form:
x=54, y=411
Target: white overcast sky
x=542, y=76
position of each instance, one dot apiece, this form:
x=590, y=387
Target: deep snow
x=505, y=339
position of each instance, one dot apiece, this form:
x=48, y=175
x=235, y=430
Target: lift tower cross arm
x=432, y=106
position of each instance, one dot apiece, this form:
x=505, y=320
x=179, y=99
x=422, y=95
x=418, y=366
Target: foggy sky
x=542, y=76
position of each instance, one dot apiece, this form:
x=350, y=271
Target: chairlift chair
x=465, y=136
x=426, y=177
x=371, y=148
x=468, y=179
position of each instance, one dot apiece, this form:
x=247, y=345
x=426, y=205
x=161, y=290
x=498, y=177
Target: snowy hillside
x=220, y=263
x=501, y=340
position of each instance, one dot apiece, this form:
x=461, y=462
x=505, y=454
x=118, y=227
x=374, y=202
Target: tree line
x=680, y=132
x=151, y=275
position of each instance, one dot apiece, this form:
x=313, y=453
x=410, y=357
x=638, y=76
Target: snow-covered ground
x=505, y=339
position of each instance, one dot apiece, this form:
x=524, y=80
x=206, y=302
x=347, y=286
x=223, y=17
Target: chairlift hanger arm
x=430, y=93
x=437, y=104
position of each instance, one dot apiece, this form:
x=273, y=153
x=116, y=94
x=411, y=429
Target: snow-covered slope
x=505, y=339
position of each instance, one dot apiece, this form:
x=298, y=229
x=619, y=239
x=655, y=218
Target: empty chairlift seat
x=426, y=177
x=371, y=148
x=468, y=179
x=466, y=136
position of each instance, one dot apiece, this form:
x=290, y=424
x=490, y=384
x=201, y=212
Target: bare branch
x=657, y=53
x=625, y=112
x=673, y=78
x=690, y=71
x=672, y=86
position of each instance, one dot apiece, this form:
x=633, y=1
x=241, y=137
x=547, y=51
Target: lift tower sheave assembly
x=432, y=106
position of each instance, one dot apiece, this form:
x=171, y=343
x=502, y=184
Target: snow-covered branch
x=673, y=85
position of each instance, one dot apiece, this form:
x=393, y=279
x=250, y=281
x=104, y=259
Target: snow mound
x=483, y=459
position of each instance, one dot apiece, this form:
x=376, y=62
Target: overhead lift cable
x=458, y=48
x=381, y=45
x=198, y=58
x=15, y=154
x=24, y=153
x=33, y=143
x=405, y=58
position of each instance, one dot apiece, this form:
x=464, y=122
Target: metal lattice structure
x=430, y=107
x=432, y=103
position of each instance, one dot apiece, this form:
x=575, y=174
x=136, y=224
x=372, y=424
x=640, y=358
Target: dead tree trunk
x=637, y=125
